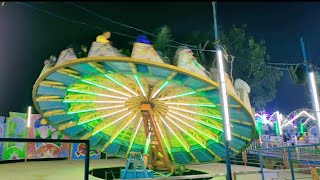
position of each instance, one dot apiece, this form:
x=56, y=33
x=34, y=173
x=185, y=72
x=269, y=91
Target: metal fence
x=290, y=161
x=279, y=161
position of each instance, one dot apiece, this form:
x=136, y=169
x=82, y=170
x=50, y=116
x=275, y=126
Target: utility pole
x=312, y=86
x=223, y=95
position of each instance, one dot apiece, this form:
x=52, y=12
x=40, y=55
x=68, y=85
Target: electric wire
x=122, y=24
x=236, y=58
x=92, y=26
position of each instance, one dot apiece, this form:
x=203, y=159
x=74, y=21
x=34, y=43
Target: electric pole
x=223, y=95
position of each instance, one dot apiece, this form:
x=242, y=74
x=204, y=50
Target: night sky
x=28, y=37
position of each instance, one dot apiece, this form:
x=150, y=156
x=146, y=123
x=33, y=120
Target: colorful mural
x=40, y=129
x=78, y=151
x=2, y=135
x=15, y=128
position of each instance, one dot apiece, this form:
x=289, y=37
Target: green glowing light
x=175, y=135
x=103, y=87
x=96, y=109
x=301, y=128
x=135, y=134
x=161, y=87
x=162, y=136
x=90, y=101
x=146, y=149
x=120, y=84
x=186, y=133
x=112, y=123
x=276, y=128
x=139, y=84
x=206, y=115
x=122, y=129
x=97, y=94
x=259, y=128
x=201, y=132
x=186, y=104
x=106, y=115
x=180, y=95
x=200, y=122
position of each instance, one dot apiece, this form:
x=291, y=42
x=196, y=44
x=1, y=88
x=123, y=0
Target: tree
x=161, y=43
x=250, y=58
x=249, y=65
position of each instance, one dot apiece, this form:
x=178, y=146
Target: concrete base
x=74, y=169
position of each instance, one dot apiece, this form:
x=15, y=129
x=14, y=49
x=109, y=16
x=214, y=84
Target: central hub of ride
x=149, y=103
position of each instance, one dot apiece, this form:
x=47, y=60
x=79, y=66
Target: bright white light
x=140, y=85
x=192, y=127
x=89, y=101
x=125, y=87
x=106, y=115
x=103, y=87
x=112, y=122
x=306, y=121
x=279, y=119
x=224, y=96
x=186, y=148
x=162, y=86
x=186, y=104
x=315, y=99
x=97, y=109
x=122, y=129
x=29, y=117
x=201, y=144
x=184, y=110
x=197, y=121
x=180, y=95
x=264, y=118
x=98, y=94
x=297, y=116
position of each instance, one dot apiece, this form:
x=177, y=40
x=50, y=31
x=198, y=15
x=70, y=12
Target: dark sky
x=28, y=36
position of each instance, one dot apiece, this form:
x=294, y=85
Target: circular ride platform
x=102, y=99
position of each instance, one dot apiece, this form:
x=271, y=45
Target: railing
x=86, y=142
x=300, y=154
x=199, y=176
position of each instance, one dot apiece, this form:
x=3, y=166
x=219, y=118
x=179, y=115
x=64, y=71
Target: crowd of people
x=296, y=137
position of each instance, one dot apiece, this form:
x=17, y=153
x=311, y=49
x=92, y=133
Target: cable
x=126, y=35
x=59, y=17
x=195, y=49
x=96, y=27
x=262, y=64
x=121, y=24
x=285, y=64
x=92, y=26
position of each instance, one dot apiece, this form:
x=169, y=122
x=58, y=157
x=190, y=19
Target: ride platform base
x=135, y=173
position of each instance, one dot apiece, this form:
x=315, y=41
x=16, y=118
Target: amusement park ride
x=298, y=122
x=140, y=108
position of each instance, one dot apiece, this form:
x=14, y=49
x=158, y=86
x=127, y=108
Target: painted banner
x=2, y=135
x=78, y=151
x=40, y=129
x=15, y=128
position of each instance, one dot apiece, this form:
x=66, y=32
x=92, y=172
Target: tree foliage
x=161, y=42
x=250, y=56
x=249, y=65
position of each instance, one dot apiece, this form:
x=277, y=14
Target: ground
x=74, y=169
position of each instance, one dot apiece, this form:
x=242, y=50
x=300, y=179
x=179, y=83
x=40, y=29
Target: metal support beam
x=312, y=86
x=223, y=94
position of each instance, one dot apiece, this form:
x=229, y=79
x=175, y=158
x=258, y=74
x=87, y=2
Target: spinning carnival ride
x=139, y=104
